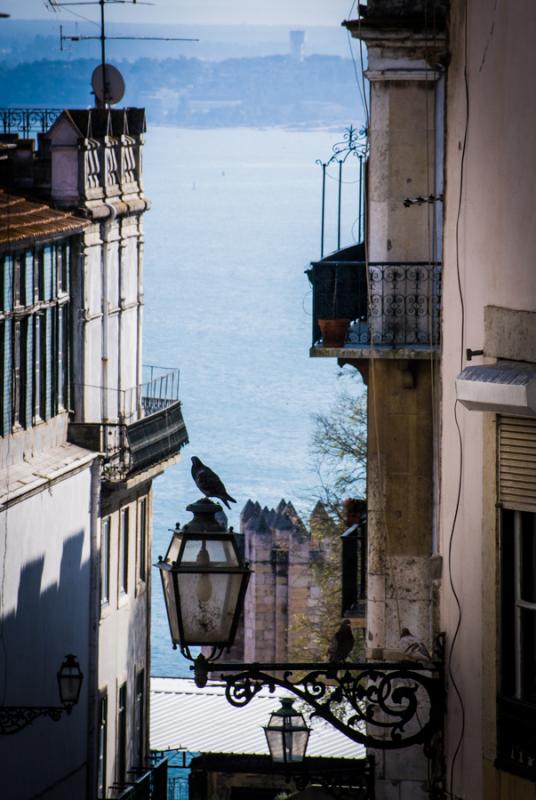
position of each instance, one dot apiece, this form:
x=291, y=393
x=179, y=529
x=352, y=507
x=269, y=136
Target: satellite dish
x=108, y=84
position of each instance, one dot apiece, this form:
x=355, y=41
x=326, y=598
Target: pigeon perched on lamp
x=413, y=648
x=209, y=483
x=342, y=643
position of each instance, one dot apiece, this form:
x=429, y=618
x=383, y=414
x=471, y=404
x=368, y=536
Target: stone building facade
x=283, y=588
x=84, y=430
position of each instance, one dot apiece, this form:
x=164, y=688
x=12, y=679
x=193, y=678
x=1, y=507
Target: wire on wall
x=457, y=629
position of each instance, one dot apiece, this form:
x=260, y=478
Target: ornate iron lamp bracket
x=382, y=705
x=14, y=718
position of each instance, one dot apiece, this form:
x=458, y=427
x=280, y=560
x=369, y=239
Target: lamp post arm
x=14, y=718
x=382, y=705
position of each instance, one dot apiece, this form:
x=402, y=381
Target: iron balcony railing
x=143, y=784
x=135, y=428
x=26, y=121
x=386, y=305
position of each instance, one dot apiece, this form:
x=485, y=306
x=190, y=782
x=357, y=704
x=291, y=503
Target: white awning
x=508, y=387
x=184, y=717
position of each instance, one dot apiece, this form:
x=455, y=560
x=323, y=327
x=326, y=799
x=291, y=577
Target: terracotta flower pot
x=333, y=331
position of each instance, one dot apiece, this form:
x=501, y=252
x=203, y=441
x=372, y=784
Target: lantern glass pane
x=167, y=584
x=69, y=688
x=208, y=605
x=174, y=548
x=297, y=744
x=215, y=552
x=275, y=744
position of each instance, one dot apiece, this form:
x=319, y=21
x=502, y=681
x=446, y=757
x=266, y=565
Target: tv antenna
x=110, y=79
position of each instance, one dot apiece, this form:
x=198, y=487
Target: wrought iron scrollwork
x=386, y=705
x=27, y=120
x=14, y=718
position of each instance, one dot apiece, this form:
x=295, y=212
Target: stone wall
x=280, y=550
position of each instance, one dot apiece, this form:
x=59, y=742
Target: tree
x=339, y=449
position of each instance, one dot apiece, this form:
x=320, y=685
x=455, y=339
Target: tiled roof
x=25, y=221
x=184, y=717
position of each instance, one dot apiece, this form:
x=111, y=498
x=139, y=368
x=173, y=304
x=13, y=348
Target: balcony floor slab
x=350, y=351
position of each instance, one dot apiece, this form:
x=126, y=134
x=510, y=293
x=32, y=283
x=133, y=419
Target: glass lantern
x=287, y=734
x=204, y=581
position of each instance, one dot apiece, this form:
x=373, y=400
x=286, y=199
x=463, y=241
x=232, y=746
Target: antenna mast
x=56, y=5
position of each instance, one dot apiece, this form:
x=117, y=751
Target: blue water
x=235, y=220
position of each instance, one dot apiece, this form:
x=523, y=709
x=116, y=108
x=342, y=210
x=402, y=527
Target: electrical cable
x=460, y=437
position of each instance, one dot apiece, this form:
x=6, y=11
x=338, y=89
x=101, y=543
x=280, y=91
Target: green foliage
x=339, y=449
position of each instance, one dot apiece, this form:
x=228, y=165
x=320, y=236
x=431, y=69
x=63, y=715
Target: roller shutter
x=517, y=463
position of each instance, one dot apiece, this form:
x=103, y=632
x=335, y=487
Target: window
x=34, y=338
x=105, y=562
x=516, y=712
x=122, y=734
x=139, y=716
x=101, y=745
x=142, y=540
x=123, y=551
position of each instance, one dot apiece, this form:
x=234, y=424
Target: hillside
x=272, y=90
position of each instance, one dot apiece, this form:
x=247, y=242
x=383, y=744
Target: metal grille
x=27, y=120
x=517, y=463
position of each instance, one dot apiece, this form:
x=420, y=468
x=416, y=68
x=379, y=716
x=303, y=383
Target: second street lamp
x=287, y=734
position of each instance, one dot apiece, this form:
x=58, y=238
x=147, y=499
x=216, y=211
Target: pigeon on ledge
x=413, y=648
x=209, y=483
x=342, y=643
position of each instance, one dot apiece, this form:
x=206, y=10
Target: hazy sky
x=220, y=12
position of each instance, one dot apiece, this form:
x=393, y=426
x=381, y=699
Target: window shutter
x=517, y=463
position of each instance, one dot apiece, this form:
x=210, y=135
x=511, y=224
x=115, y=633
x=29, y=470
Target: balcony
x=137, y=429
x=143, y=784
x=386, y=310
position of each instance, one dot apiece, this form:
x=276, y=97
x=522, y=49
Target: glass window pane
x=7, y=375
x=27, y=279
x=140, y=716
x=528, y=655
x=105, y=562
x=102, y=743
x=142, y=540
x=61, y=360
x=27, y=377
x=47, y=363
x=7, y=284
x=123, y=564
x=122, y=734
x=48, y=274
x=528, y=557
x=66, y=256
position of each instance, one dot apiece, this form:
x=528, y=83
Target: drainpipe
x=109, y=221
x=94, y=614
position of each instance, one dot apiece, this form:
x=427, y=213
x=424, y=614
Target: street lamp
x=70, y=682
x=204, y=582
x=287, y=734
x=14, y=718
x=393, y=704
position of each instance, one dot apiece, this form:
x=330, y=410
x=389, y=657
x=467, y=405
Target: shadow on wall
x=47, y=758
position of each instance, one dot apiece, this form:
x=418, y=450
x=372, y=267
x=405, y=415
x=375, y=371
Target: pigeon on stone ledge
x=342, y=643
x=413, y=648
x=209, y=483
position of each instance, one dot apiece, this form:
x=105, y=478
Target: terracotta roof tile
x=26, y=222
